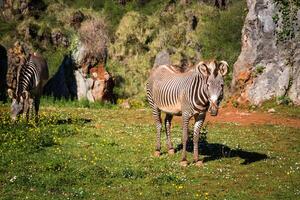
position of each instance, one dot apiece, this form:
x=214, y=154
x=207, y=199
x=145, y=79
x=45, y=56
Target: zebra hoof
x=171, y=152
x=184, y=163
x=199, y=163
x=156, y=153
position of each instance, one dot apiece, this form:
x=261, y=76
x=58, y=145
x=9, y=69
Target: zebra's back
x=29, y=77
x=171, y=90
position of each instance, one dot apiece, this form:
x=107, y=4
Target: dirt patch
x=244, y=117
x=237, y=116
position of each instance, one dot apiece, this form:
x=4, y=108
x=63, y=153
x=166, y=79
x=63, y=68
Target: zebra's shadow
x=215, y=151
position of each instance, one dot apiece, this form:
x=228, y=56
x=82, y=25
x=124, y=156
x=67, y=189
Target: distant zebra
x=190, y=94
x=30, y=82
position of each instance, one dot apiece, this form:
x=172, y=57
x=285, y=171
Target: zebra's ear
x=202, y=68
x=223, y=67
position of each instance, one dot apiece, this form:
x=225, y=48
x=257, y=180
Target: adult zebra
x=190, y=94
x=31, y=79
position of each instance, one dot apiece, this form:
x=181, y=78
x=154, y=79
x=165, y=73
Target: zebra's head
x=18, y=104
x=215, y=72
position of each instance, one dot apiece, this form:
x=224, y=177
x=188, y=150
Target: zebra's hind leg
x=199, y=119
x=157, y=118
x=168, y=120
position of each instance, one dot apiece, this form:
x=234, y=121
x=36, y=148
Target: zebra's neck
x=199, y=96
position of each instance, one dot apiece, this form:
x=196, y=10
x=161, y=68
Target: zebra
x=188, y=94
x=30, y=82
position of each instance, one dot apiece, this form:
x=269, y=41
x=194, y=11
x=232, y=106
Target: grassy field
x=104, y=152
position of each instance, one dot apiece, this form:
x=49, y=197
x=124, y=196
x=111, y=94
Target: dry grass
x=94, y=37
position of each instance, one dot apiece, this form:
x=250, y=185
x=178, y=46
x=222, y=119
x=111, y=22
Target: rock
x=263, y=46
x=244, y=76
x=271, y=110
x=90, y=51
x=294, y=91
x=92, y=46
x=282, y=82
x=81, y=84
x=264, y=86
x=89, y=95
x=162, y=58
x=102, y=87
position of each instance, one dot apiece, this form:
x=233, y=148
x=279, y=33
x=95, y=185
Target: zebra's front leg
x=30, y=110
x=157, y=118
x=185, y=133
x=26, y=109
x=199, y=119
x=168, y=120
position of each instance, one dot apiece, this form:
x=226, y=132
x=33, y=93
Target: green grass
x=282, y=109
x=6, y=28
x=104, y=153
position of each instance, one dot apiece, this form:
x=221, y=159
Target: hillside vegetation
x=137, y=33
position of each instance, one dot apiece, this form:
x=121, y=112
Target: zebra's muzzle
x=213, y=108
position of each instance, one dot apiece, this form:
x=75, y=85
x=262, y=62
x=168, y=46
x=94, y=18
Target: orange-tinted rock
x=244, y=76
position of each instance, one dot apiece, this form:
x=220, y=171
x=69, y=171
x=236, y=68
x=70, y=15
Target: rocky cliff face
x=269, y=63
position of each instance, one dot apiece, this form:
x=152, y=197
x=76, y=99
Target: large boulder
x=81, y=84
x=162, y=58
x=89, y=50
x=268, y=65
x=91, y=47
x=102, y=84
x=294, y=90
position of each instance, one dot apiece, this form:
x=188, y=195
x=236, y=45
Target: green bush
x=220, y=33
x=140, y=35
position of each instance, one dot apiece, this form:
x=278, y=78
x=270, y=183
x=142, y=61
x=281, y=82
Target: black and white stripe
x=30, y=82
x=183, y=94
x=28, y=78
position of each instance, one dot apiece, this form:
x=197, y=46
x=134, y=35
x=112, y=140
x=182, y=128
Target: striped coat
x=30, y=82
x=189, y=94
